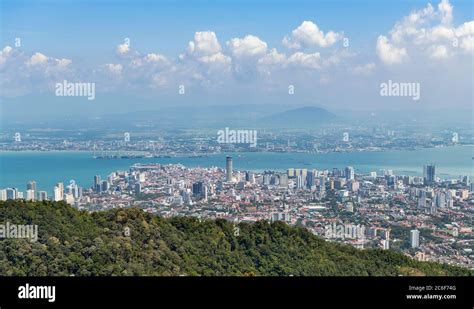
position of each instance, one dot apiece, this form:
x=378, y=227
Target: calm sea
x=48, y=168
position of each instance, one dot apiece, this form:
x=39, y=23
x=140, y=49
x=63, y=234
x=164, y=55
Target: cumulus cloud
x=122, y=49
x=302, y=60
x=5, y=53
x=22, y=73
x=421, y=38
x=438, y=52
x=206, y=48
x=427, y=32
x=154, y=58
x=37, y=59
x=114, y=69
x=249, y=46
x=308, y=34
x=205, y=43
x=272, y=58
x=389, y=53
x=150, y=59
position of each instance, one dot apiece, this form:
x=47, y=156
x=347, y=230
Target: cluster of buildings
x=426, y=217
x=334, y=138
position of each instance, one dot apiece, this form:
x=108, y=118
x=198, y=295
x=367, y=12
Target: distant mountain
x=126, y=242
x=303, y=116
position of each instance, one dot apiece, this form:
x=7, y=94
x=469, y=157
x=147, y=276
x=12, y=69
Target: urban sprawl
x=427, y=218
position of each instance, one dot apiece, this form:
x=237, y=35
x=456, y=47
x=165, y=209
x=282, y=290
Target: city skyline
x=337, y=204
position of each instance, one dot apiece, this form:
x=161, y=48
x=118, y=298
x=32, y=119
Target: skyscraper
x=415, y=238
x=58, y=192
x=11, y=193
x=138, y=188
x=31, y=185
x=198, y=188
x=3, y=195
x=349, y=172
x=30, y=195
x=422, y=199
x=97, y=183
x=310, y=179
x=42, y=196
x=429, y=174
x=228, y=167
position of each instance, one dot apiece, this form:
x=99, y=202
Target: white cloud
x=205, y=48
x=155, y=58
x=272, y=58
x=438, y=52
x=122, y=49
x=215, y=58
x=63, y=63
x=249, y=46
x=37, y=59
x=465, y=29
x=302, y=60
x=446, y=12
x=115, y=69
x=5, y=53
x=389, y=53
x=426, y=32
x=205, y=44
x=308, y=34
x=467, y=44
x=365, y=69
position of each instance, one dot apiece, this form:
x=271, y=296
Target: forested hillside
x=126, y=242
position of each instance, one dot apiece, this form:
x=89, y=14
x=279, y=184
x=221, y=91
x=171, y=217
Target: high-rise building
x=3, y=195
x=58, y=192
x=266, y=178
x=105, y=186
x=30, y=195
x=11, y=193
x=440, y=199
x=138, y=188
x=97, y=183
x=228, y=167
x=322, y=183
x=349, y=173
x=248, y=175
x=422, y=199
x=42, y=196
x=429, y=174
x=198, y=189
x=31, y=185
x=353, y=185
x=310, y=179
x=283, y=180
x=291, y=172
x=415, y=238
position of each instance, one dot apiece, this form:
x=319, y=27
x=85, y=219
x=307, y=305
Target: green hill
x=71, y=242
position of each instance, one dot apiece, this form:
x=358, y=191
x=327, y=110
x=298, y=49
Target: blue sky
x=87, y=35
x=90, y=28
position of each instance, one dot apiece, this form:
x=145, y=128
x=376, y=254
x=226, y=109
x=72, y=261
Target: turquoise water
x=48, y=168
